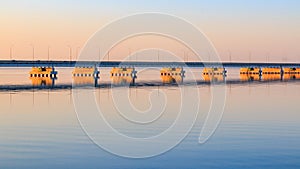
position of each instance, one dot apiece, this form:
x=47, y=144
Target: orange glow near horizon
x=247, y=35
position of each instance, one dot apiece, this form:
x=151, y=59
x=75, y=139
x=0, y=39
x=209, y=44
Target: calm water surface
x=260, y=127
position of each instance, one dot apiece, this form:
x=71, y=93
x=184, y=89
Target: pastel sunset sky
x=251, y=26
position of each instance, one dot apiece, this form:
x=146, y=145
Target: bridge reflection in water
x=122, y=80
x=42, y=81
x=85, y=76
x=79, y=82
x=291, y=76
x=214, y=78
x=269, y=77
x=250, y=77
x=85, y=81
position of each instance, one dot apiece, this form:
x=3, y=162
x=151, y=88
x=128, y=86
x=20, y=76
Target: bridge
x=42, y=63
x=43, y=73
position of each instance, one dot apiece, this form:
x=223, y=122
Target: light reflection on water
x=260, y=128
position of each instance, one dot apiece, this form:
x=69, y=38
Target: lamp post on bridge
x=158, y=55
x=186, y=55
x=70, y=52
x=129, y=54
x=77, y=52
x=11, y=51
x=230, y=56
x=250, y=55
x=99, y=54
x=32, y=51
x=48, y=56
x=268, y=57
x=108, y=56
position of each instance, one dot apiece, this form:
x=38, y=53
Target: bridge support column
x=281, y=73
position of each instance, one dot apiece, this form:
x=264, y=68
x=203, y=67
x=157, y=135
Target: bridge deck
x=24, y=63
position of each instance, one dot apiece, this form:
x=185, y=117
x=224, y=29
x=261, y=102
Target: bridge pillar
x=53, y=72
x=281, y=73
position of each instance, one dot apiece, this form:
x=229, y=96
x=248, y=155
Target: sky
x=258, y=28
